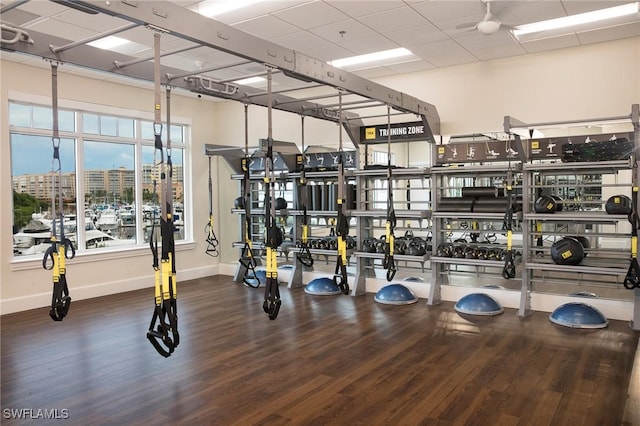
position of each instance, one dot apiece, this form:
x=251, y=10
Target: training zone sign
x=404, y=132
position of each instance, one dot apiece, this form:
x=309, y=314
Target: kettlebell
x=238, y=203
x=281, y=203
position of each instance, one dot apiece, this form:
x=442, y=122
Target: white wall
x=590, y=81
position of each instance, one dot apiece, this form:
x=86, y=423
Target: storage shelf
x=468, y=262
x=382, y=214
x=581, y=269
x=471, y=215
x=259, y=212
x=399, y=173
x=585, y=216
x=397, y=257
x=484, y=169
x=595, y=167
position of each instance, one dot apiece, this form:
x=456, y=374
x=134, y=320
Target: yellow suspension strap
x=342, y=226
x=304, y=255
x=509, y=268
x=163, y=328
x=632, y=278
x=272, y=302
x=247, y=258
x=61, y=248
x=212, y=240
x=389, y=242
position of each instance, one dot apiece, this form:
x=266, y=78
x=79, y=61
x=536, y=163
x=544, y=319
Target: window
x=380, y=186
x=107, y=189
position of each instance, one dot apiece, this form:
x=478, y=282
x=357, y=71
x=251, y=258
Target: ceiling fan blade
x=467, y=26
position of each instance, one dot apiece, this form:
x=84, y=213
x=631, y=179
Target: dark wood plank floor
x=334, y=360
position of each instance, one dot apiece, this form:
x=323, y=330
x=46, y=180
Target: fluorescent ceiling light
x=109, y=42
x=575, y=20
x=250, y=80
x=370, y=57
x=215, y=7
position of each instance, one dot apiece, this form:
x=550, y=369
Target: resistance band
x=272, y=302
x=389, y=263
x=247, y=258
x=61, y=248
x=212, y=240
x=632, y=279
x=164, y=336
x=342, y=226
x=304, y=255
x=509, y=269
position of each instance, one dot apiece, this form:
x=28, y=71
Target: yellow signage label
x=370, y=133
x=535, y=145
x=441, y=150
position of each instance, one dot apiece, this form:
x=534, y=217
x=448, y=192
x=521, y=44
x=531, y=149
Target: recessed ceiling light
x=109, y=42
x=211, y=8
x=370, y=57
x=575, y=20
x=250, y=80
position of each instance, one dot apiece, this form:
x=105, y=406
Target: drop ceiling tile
x=412, y=66
x=408, y=37
x=43, y=8
x=255, y=10
x=394, y=20
x=300, y=41
x=443, y=53
x=266, y=27
x=369, y=44
x=497, y=52
x=452, y=59
x=611, y=33
x=574, y=7
x=311, y=15
x=357, y=8
x=535, y=46
x=352, y=30
x=440, y=11
x=524, y=12
x=328, y=52
x=98, y=23
x=19, y=17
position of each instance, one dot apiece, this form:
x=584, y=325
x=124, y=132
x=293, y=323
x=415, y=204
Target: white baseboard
x=33, y=301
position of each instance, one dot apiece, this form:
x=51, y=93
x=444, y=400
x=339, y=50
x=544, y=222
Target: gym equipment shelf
x=584, y=187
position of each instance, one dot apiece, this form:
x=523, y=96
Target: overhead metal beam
x=98, y=59
x=184, y=23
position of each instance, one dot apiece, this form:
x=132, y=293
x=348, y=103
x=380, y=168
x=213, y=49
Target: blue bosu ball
x=395, y=294
x=478, y=304
x=578, y=315
x=323, y=286
x=260, y=275
x=414, y=279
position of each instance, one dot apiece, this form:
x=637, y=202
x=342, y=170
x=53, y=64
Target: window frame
x=78, y=108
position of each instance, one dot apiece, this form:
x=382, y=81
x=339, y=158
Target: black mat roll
x=482, y=192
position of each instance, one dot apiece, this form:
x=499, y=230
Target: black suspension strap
x=61, y=247
x=163, y=328
x=304, y=255
x=389, y=262
x=247, y=258
x=342, y=226
x=212, y=240
x=272, y=302
x=509, y=268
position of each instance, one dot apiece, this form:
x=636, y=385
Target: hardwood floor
x=335, y=360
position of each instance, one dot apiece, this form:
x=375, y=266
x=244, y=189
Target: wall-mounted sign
x=404, y=132
x=328, y=160
x=550, y=148
x=472, y=152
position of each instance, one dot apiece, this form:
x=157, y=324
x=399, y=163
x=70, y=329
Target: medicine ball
x=584, y=241
x=239, y=203
x=558, y=202
x=618, y=204
x=545, y=204
x=567, y=251
x=281, y=203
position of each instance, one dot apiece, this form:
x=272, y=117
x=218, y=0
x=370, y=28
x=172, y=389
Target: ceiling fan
x=490, y=24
